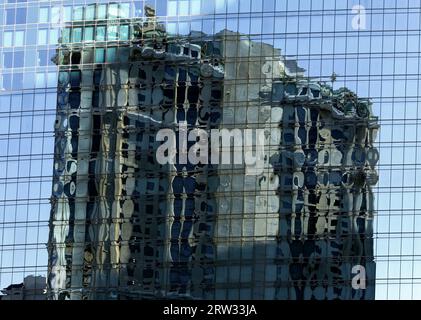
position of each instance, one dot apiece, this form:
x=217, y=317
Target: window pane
x=195, y=7
x=77, y=35
x=6, y=81
x=63, y=59
x=31, y=36
x=16, y=103
x=183, y=8
x=68, y=13
x=90, y=12
x=19, y=38
x=30, y=58
x=8, y=39
x=87, y=56
x=78, y=13
x=42, y=57
x=112, y=33
x=99, y=55
x=4, y=103
x=124, y=32
x=125, y=10
x=55, y=15
x=8, y=60
x=88, y=34
x=43, y=15
x=53, y=36
x=112, y=11
x=40, y=80
x=138, y=8
x=111, y=54
x=51, y=54
x=32, y=16
x=18, y=59
x=52, y=79
x=102, y=11
x=65, y=35
x=17, y=81
x=123, y=54
x=42, y=36
x=172, y=8
x=100, y=33
x=10, y=16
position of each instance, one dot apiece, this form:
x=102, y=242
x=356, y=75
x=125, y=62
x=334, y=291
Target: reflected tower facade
x=124, y=226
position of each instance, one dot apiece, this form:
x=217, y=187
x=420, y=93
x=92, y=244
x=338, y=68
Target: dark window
x=149, y=209
x=75, y=78
x=75, y=57
x=316, y=93
x=304, y=91
x=74, y=99
x=97, y=77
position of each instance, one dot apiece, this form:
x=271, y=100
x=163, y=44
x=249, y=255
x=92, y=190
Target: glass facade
x=87, y=87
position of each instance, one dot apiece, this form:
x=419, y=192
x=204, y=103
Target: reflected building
x=124, y=226
x=32, y=288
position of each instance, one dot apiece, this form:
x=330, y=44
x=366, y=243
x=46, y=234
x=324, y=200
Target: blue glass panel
x=8, y=60
x=20, y=15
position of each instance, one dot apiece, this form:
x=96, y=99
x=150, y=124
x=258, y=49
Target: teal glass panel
x=112, y=33
x=78, y=13
x=113, y=11
x=88, y=34
x=65, y=35
x=111, y=54
x=54, y=35
x=124, y=32
x=77, y=35
x=125, y=10
x=68, y=13
x=99, y=55
x=100, y=34
x=90, y=12
x=102, y=11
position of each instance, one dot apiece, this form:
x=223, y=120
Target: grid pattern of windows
x=371, y=47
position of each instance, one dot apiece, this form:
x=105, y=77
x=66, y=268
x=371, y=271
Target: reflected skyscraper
x=124, y=226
